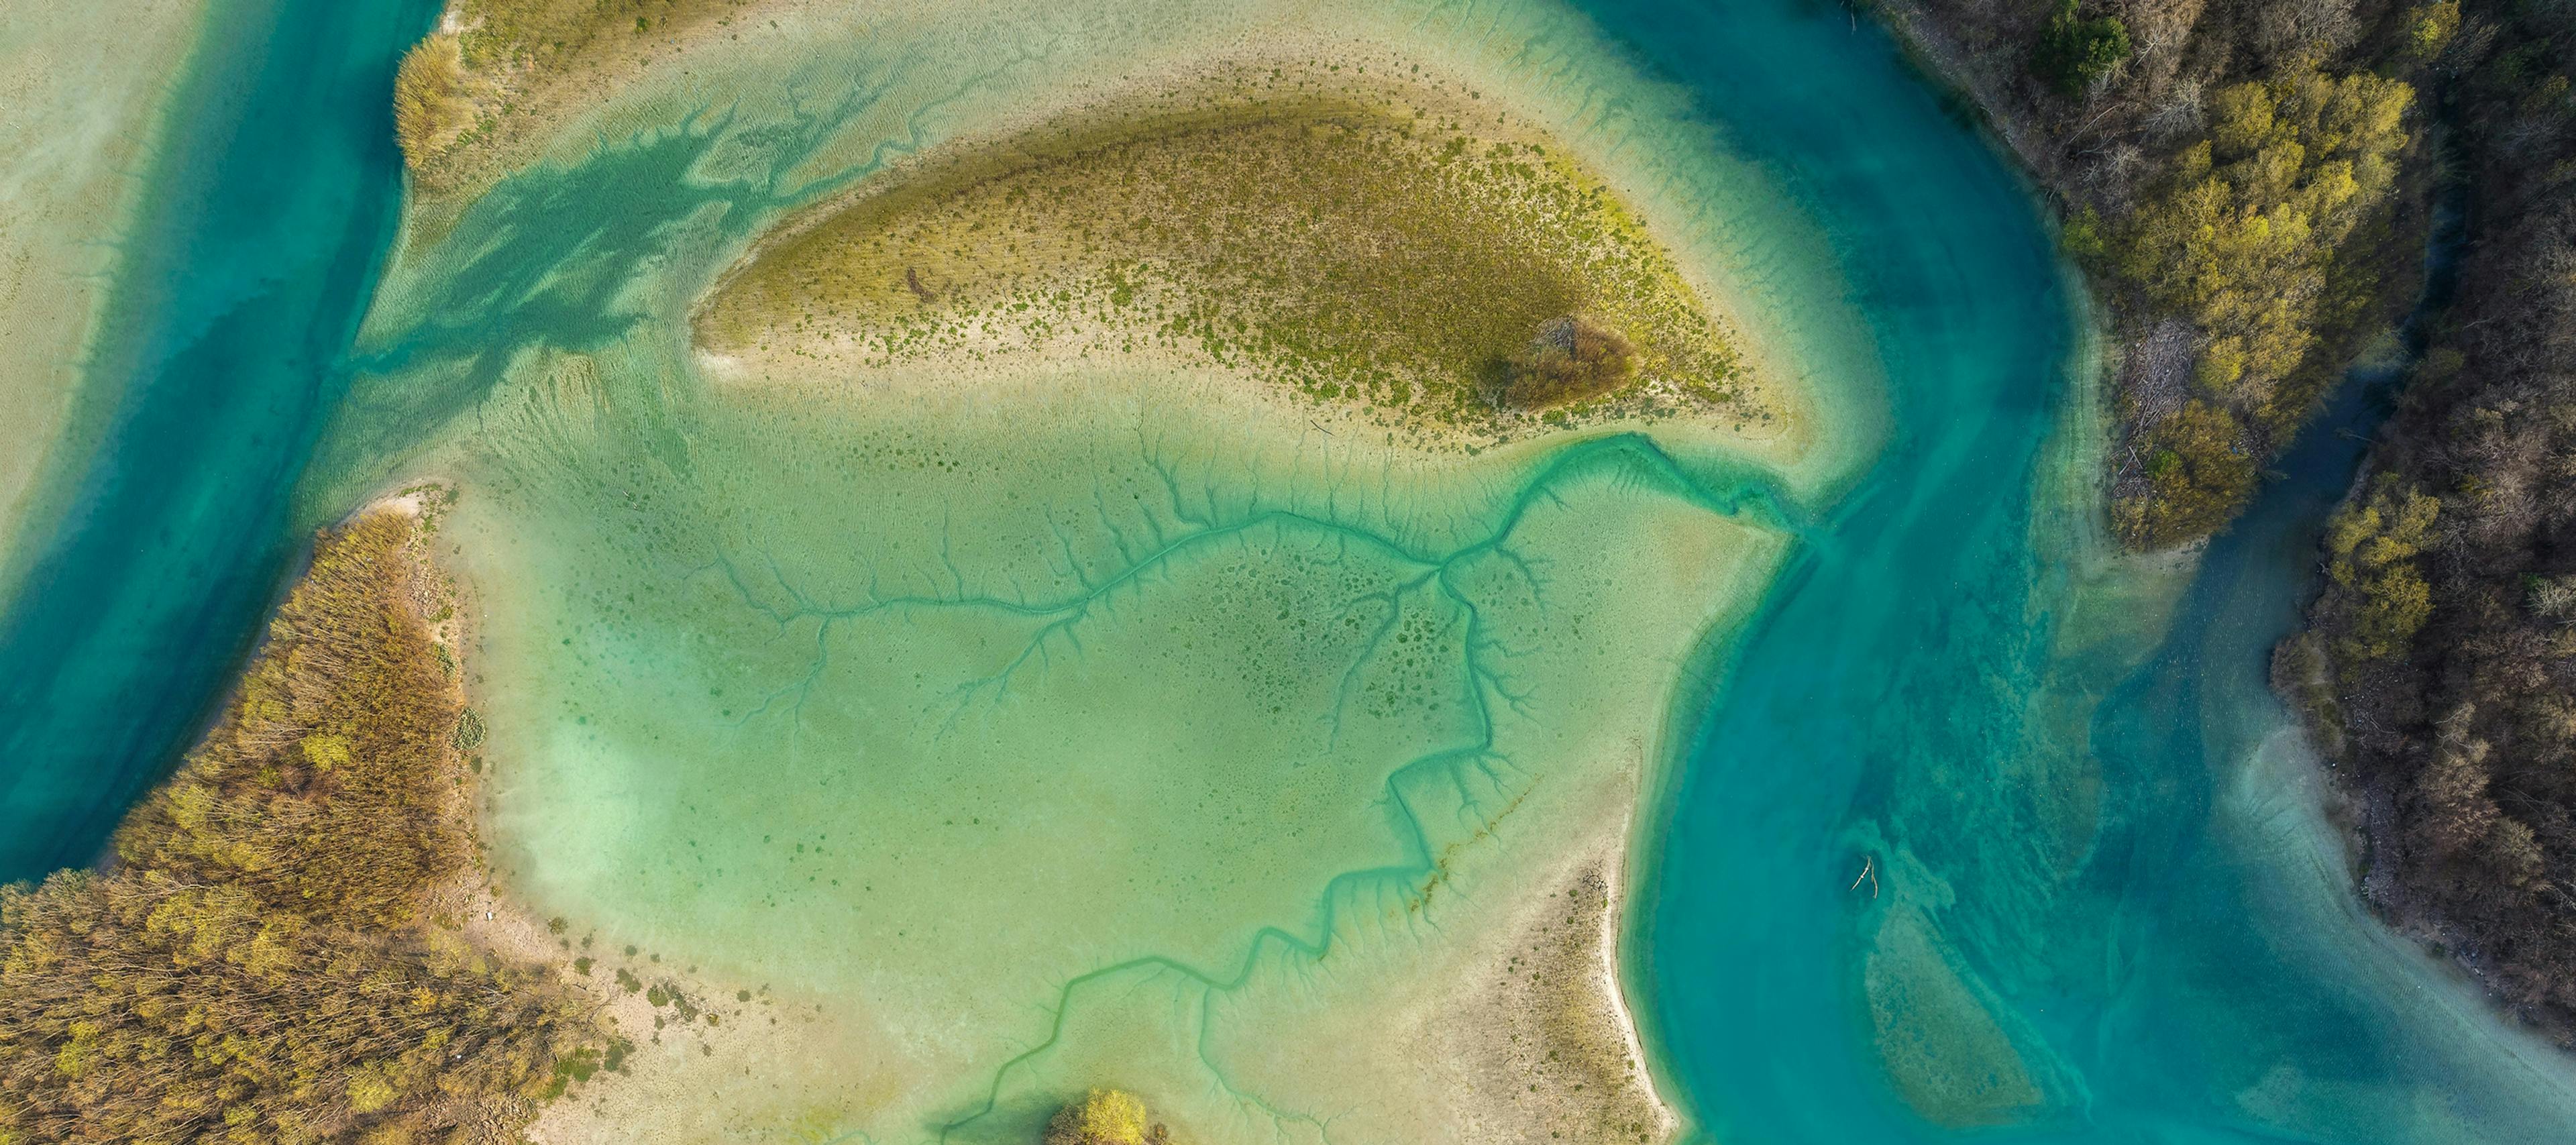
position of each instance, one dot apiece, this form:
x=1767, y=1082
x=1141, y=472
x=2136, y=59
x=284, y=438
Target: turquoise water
x=2121, y=867
x=242, y=281
x=2102, y=907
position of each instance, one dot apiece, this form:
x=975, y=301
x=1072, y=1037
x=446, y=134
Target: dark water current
x=2103, y=912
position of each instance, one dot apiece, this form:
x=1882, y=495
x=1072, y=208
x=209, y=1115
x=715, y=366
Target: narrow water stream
x=1967, y=844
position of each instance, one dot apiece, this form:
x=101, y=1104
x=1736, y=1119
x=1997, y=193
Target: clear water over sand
x=1049, y=729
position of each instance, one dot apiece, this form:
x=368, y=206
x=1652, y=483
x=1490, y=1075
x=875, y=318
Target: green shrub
x=2075, y=52
x=1570, y=359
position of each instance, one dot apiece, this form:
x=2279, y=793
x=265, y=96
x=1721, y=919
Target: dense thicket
x=1572, y=358
x=2231, y=175
x=258, y=968
x=2441, y=660
x=1107, y=1117
x=2242, y=237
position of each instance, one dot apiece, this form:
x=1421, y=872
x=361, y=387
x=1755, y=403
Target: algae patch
x=1398, y=249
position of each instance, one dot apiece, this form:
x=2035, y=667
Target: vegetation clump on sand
x=261, y=965
x=431, y=104
x=490, y=80
x=1571, y=359
x=1107, y=1117
x=1436, y=266
x=2235, y=176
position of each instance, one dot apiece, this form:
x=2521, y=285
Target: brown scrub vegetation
x=2439, y=666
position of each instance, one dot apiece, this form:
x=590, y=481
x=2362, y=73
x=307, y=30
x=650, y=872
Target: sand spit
x=1543, y=1047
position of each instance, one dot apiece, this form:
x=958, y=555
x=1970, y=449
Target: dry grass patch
x=468, y=99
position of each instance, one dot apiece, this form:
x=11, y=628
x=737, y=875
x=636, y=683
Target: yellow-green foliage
x=2245, y=238
x=1357, y=251
x=344, y=677
x=2378, y=599
x=2198, y=468
x=430, y=104
x=251, y=974
x=2244, y=234
x=2428, y=28
x=1107, y=1117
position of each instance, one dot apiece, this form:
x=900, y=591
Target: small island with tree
x=1106, y=1117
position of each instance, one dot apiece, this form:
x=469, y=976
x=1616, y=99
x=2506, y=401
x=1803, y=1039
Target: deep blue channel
x=266, y=214
x=1935, y=758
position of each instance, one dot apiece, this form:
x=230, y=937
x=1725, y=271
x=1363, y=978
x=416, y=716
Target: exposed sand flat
x=81, y=93
x=1016, y=720
x=1541, y=1046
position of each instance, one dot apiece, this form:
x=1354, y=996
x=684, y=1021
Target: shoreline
x=1615, y=992
x=77, y=178
x=740, y=325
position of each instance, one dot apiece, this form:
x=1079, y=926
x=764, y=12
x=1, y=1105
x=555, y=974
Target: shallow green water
x=1051, y=731
x=1031, y=733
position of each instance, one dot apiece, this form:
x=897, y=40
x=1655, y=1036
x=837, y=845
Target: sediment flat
x=976, y=661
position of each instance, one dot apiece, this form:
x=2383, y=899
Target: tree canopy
x=2075, y=52
x=258, y=969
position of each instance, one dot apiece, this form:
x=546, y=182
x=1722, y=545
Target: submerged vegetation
x=1425, y=264
x=2440, y=662
x=261, y=964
